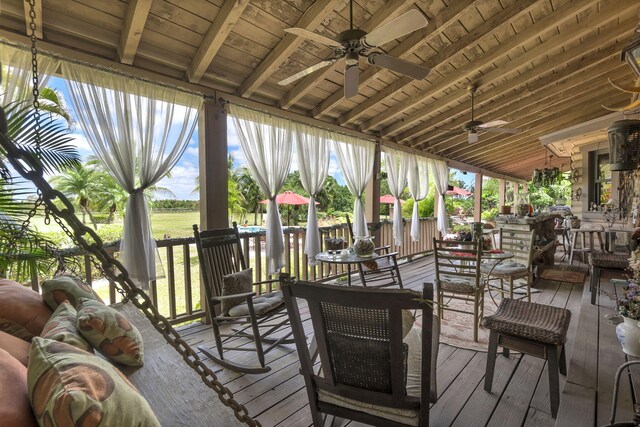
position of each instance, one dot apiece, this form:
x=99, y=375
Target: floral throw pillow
x=62, y=327
x=236, y=283
x=66, y=287
x=109, y=332
x=70, y=387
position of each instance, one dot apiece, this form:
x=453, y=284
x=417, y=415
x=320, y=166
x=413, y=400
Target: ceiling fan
x=354, y=43
x=473, y=127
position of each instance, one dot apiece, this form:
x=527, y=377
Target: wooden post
x=525, y=187
x=372, y=195
x=477, y=198
x=516, y=190
x=214, y=195
x=502, y=189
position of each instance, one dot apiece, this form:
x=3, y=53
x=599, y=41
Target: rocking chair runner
x=260, y=316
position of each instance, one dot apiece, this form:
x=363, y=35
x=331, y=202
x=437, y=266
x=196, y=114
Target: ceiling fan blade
x=351, y=80
x=493, y=124
x=306, y=71
x=404, y=24
x=503, y=130
x=301, y=32
x=444, y=137
x=400, y=66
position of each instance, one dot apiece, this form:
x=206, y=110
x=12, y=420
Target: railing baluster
x=287, y=251
x=258, y=259
x=186, y=258
x=296, y=254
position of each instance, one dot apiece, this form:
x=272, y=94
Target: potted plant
x=628, y=306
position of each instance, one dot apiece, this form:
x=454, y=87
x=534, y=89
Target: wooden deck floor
x=520, y=392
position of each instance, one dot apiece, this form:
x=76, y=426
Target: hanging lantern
x=624, y=145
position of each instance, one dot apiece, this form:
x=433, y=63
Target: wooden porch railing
x=178, y=295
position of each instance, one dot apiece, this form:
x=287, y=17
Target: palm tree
x=250, y=190
x=79, y=183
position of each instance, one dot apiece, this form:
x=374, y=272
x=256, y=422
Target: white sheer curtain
x=395, y=163
x=17, y=73
x=440, y=172
x=356, y=158
x=138, y=131
x=312, y=149
x=418, y=177
x=266, y=142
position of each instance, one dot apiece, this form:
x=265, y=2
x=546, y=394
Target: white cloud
x=79, y=141
x=182, y=181
x=192, y=151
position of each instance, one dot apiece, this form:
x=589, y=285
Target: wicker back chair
x=359, y=337
x=259, y=312
x=458, y=277
x=381, y=272
x=520, y=244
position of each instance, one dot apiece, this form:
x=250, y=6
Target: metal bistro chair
x=259, y=314
x=520, y=244
x=382, y=271
x=458, y=277
x=366, y=365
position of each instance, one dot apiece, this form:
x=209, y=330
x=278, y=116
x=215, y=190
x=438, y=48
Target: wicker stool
x=535, y=329
x=600, y=260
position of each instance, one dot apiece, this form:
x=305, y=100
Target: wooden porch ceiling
x=540, y=64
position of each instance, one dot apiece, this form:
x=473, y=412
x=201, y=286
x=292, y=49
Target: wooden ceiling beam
x=310, y=20
x=215, y=37
x=37, y=9
x=492, y=103
x=470, y=71
x=134, y=22
x=584, y=27
x=416, y=39
x=535, y=88
x=387, y=12
x=473, y=37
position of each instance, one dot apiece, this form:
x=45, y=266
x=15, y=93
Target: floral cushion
x=66, y=287
x=16, y=347
x=62, y=327
x=70, y=387
x=14, y=402
x=23, y=314
x=236, y=283
x=262, y=304
x=109, y=332
x=414, y=358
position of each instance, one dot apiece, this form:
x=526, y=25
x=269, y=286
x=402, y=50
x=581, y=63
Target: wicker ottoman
x=603, y=260
x=535, y=329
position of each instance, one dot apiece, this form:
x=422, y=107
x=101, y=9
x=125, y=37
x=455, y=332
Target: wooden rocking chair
x=260, y=316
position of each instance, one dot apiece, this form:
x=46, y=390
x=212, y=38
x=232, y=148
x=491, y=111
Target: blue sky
x=183, y=176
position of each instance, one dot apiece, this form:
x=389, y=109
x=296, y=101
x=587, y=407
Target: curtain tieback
x=139, y=190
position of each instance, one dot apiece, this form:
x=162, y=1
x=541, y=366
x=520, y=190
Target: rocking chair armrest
x=389, y=255
x=384, y=249
x=266, y=282
x=225, y=297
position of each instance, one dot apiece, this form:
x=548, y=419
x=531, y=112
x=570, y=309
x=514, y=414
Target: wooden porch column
x=212, y=141
x=477, y=198
x=372, y=195
x=516, y=190
x=525, y=187
x=502, y=189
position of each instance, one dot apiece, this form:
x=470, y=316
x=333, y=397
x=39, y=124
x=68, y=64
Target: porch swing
x=182, y=394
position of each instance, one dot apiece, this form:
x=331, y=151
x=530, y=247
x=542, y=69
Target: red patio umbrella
x=457, y=191
x=388, y=199
x=289, y=198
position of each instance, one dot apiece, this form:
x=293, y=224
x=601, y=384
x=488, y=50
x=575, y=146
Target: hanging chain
x=35, y=74
x=29, y=167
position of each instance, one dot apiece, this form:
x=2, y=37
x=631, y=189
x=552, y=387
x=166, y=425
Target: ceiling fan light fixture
x=351, y=58
x=473, y=136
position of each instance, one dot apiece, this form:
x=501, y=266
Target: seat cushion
x=537, y=322
x=505, y=268
x=404, y=416
x=16, y=347
x=457, y=284
x=23, y=314
x=236, y=283
x=414, y=359
x=15, y=409
x=62, y=327
x=70, y=387
x=262, y=304
x=110, y=332
x=66, y=287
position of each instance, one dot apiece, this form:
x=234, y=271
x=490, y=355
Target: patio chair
x=520, y=244
x=239, y=308
x=366, y=367
x=382, y=271
x=458, y=277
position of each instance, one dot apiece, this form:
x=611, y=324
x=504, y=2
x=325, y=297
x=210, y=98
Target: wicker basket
x=624, y=145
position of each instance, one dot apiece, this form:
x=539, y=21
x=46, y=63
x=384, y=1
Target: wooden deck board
x=520, y=394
